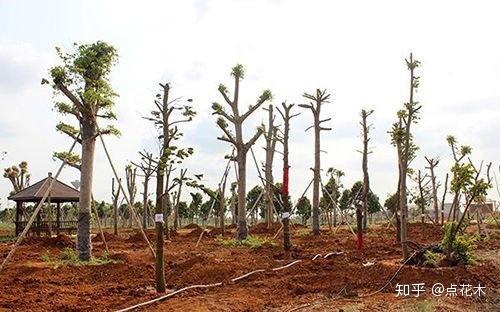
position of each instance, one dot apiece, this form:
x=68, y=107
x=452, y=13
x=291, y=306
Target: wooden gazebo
x=60, y=193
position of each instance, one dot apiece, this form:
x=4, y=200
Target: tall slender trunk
x=444, y=198
x=434, y=196
x=404, y=213
x=287, y=242
x=83, y=242
x=366, y=178
x=317, y=166
x=145, y=205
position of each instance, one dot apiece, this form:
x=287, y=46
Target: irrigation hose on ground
x=264, y=270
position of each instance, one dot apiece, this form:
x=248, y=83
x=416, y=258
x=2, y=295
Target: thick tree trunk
x=242, y=221
x=83, y=243
x=359, y=223
x=159, y=265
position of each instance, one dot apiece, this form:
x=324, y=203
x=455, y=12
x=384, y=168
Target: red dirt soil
x=28, y=283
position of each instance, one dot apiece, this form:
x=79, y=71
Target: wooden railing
x=47, y=226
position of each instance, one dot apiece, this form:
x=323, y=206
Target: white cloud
x=354, y=49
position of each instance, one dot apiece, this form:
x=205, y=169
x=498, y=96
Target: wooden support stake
x=134, y=214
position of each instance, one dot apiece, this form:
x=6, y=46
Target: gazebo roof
x=60, y=192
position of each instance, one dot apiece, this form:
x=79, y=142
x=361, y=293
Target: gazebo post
x=58, y=218
x=38, y=223
x=18, y=217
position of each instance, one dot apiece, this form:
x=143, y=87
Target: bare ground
x=28, y=283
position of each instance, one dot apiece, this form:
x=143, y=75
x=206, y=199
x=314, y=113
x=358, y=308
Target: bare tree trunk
x=145, y=205
x=160, y=270
x=131, y=188
x=83, y=243
x=318, y=100
x=268, y=170
x=242, y=220
x=285, y=114
x=366, y=179
x=115, y=196
x=432, y=164
x=443, y=199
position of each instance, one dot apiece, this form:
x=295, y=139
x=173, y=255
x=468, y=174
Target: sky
x=354, y=49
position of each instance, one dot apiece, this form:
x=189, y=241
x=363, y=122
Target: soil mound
x=107, y=236
x=191, y=226
x=195, y=233
x=261, y=228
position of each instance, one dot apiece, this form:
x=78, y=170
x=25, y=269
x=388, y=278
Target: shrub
x=45, y=257
x=458, y=249
x=253, y=242
x=430, y=258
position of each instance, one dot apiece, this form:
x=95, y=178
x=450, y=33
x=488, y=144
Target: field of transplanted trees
x=180, y=245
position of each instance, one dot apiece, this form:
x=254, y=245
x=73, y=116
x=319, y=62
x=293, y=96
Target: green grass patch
x=252, y=242
x=303, y=233
x=7, y=239
x=6, y=225
x=69, y=257
x=424, y=306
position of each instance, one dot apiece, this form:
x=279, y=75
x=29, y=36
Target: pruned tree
x=237, y=139
x=422, y=196
x=286, y=116
x=317, y=100
x=147, y=168
x=433, y=162
x=130, y=177
x=18, y=176
x=178, y=182
x=83, y=78
x=402, y=138
x=115, y=194
x=365, y=132
x=167, y=123
x=271, y=136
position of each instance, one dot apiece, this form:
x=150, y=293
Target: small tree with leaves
x=236, y=139
x=317, y=100
x=331, y=194
x=458, y=153
x=304, y=209
x=83, y=78
x=166, y=119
